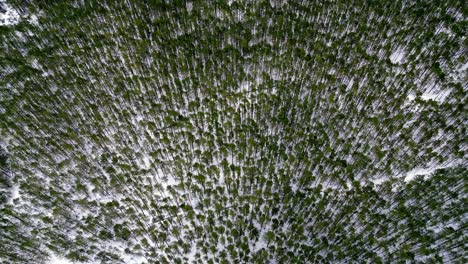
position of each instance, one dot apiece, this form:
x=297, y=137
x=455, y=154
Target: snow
x=350, y=85
x=443, y=29
x=54, y=259
x=378, y=181
x=275, y=75
x=261, y=243
x=244, y=87
x=411, y=97
x=126, y=257
x=8, y=16
x=459, y=74
x=398, y=56
x=440, y=97
x=456, y=14
x=133, y=259
x=464, y=67
x=410, y=175
x=191, y=254
x=426, y=96
x=15, y=192
x=146, y=162
x=34, y=20
x=425, y=171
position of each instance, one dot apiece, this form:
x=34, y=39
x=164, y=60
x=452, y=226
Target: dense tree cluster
x=151, y=131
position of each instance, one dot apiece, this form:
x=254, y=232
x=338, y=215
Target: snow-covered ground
x=15, y=192
x=418, y=171
x=8, y=16
x=127, y=258
x=54, y=259
x=425, y=171
x=398, y=56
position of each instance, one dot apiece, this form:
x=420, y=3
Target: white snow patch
x=275, y=75
x=244, y=87
x=191, y=254
x=350, y=85
x=409, y=100
x=170, y=181
x=438, y=97
x=8, y=16
x=398, y=56
x=34, y=20
x=426, y=96
x=261, y=243
x=379, y=181
x=456, y=14
x=441, y=226
x=464, y=67
x=54, y=259
x=127, y=258
x=331, y=71
x=15, y=192
x=410, y=175
x=443, y=29
x=133, y=259
x=423, y=171
x=147, y=161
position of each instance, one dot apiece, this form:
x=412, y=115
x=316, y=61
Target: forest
x=251, y=131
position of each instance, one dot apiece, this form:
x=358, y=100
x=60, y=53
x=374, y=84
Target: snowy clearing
x=54, y=259
x=8, y=16
x=398, y=56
